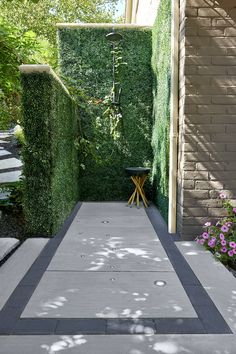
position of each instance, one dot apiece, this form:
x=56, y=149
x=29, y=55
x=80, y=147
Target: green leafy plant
x=220, y=237
x=85, y=58
x=161, y=66
x=13, y=201
x=51, y=161
x=17, y=46
x=19, y=135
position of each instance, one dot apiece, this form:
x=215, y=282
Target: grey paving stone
x=218, y=282
x=140, y=326
x=118, y=344
x=5, y=135
x=102, y=254
x=7, y=245
x=17, y=265
x=85, y=326
x=108, y=295
x=10, y=163
x=22, y=326
x=8, y=177
x=179, y=326
x=4, y=152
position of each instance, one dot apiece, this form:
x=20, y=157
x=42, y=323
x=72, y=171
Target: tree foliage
x=28, y=35
x=16, y=47
x=41, y=16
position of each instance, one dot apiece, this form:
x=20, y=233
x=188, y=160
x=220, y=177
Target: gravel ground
x=12, y=225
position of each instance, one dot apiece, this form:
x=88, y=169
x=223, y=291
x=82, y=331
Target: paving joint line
x=12, y=323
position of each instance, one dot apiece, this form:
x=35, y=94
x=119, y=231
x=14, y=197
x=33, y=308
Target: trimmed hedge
x=161, y=61
x=86, y=60
x=50, y=158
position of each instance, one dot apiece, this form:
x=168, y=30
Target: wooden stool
x=138, y=176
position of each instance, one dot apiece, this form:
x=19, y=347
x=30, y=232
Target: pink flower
x=232, y=244
x=224, y=228
x=205, y=235
x=222, y=196
x=231, y=253
x=207, y=224
x=229, y=224
x=223, y=242
x=202, y=241
x=223, y=249
x=234, y=250
x=211, y=244
x=234, y=210
x=222, y=236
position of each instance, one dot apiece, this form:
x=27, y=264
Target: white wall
x=144, y=12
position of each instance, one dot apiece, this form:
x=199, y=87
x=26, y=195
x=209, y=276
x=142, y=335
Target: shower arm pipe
x=174, y=113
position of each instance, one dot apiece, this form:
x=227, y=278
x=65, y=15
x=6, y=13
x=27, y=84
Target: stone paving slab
x=10, y=163
x=119, y=344
x=4, y=152
x=7, y=245
x=9, y=177
x=102, y=255
x=219, y=283
x=107, y=231
x=12, y=271
x=109, y=295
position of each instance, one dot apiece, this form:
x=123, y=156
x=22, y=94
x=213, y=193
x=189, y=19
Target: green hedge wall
x=50, y=158
x=161, y=42
x=86, y=60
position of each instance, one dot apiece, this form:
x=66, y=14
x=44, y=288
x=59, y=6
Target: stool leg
x=138, y=192
x=139, y=185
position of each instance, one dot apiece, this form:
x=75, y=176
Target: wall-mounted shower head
x=114, y=37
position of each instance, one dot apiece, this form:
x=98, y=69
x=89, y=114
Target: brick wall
x=207, y=122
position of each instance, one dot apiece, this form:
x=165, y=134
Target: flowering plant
x=220, y=237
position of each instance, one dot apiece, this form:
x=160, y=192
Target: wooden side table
x=138, y=176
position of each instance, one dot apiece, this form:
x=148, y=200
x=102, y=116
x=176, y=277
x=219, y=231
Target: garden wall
x=86, y=64
x=161, y=59
x=50, y=158
x=207, y=120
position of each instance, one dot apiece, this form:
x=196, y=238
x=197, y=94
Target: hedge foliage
x=50, y=157
x=86, y=62
x=161, y=42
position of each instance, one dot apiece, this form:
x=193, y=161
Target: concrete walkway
x=112, y=281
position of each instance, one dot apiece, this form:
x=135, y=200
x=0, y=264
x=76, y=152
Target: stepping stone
x=6, y=246
x=9, y=177
x=5, y=135
x=4, y=152
x=12, y=271
x=10, y=163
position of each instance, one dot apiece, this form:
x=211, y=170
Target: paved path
x=112, y=281
x=10, y=164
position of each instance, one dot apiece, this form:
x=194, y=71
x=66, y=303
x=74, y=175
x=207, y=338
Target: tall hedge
x=86, y=60
x=50, y=158
x=161, y=43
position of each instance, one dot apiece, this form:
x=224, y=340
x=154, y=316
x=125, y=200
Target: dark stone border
x=12, y=310
x=209, y=319
x=207, y=312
